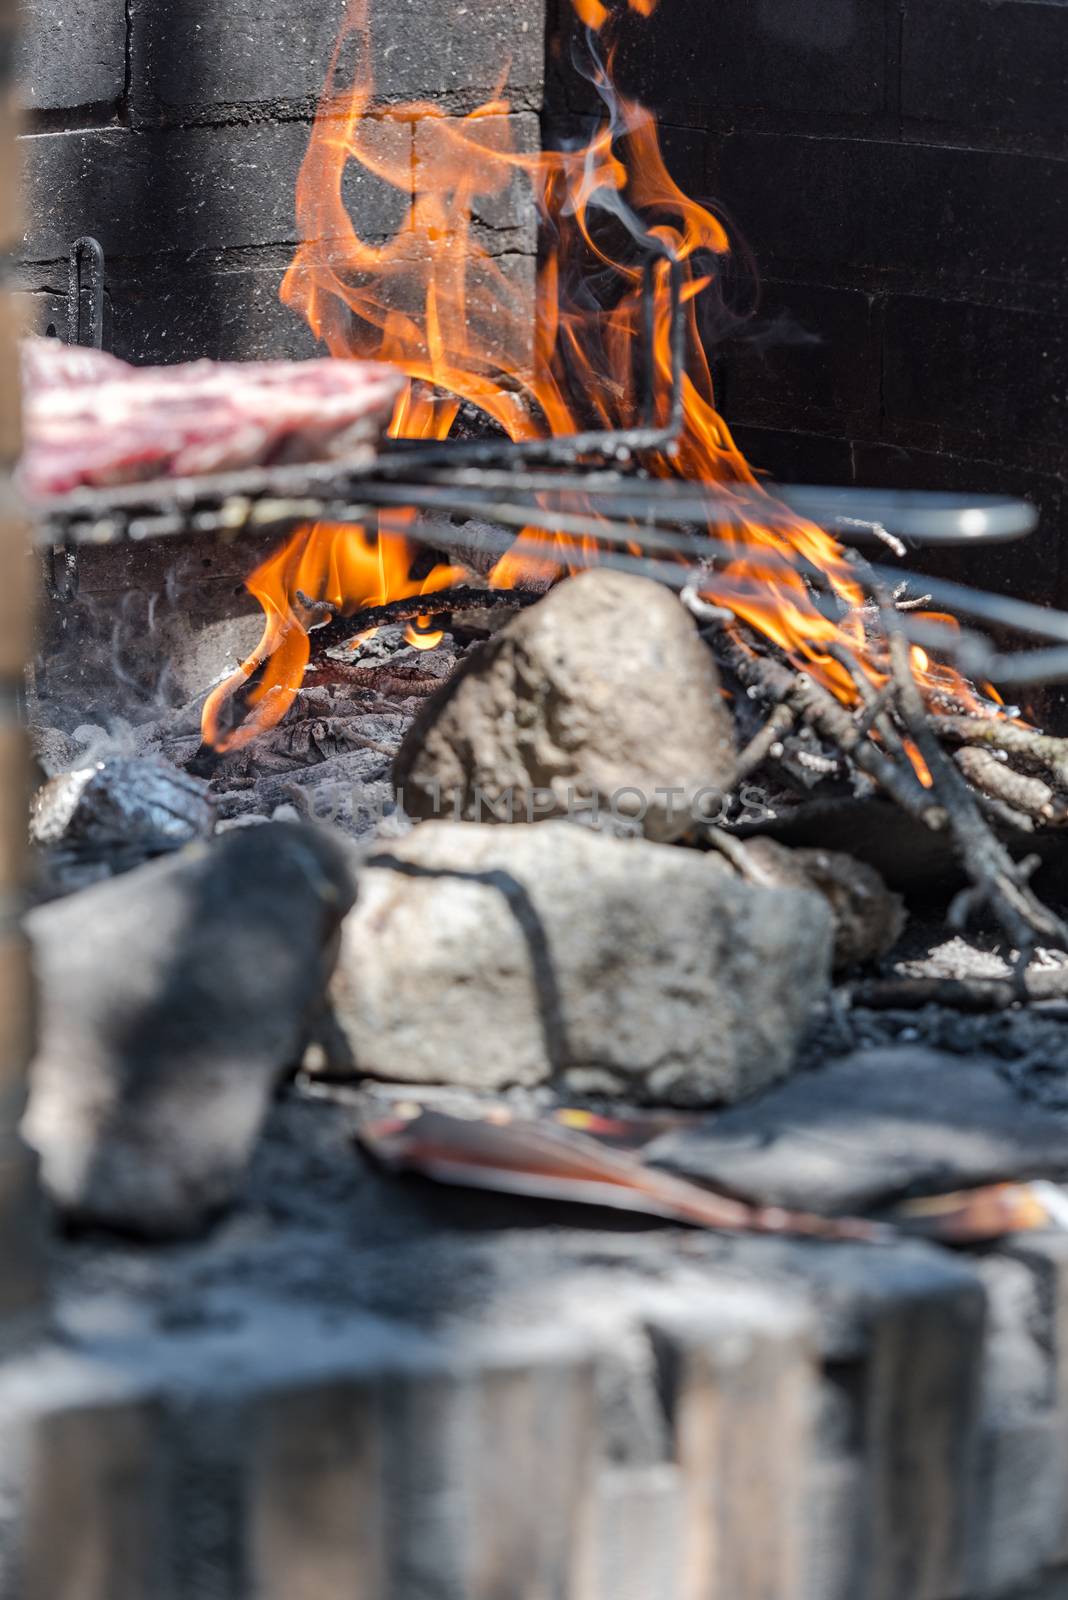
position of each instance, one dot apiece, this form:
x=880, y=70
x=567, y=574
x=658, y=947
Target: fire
x=436, y=303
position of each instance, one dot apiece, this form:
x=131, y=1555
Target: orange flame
x=433, y=300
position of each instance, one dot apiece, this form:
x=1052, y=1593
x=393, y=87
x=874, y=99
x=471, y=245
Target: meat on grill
x=90, y=419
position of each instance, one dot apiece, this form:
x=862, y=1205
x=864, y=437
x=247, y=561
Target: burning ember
x=435, y=303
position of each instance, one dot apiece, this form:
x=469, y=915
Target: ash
x=328, y=759
x=1030, y=1042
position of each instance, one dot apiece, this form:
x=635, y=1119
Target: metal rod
x=85, y=294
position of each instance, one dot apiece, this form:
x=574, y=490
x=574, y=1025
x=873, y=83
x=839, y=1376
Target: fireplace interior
x=551, y=948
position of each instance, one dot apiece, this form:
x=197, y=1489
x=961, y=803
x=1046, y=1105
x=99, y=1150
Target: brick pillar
x=19, y=1283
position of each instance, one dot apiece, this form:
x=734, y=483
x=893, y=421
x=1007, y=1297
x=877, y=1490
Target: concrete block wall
x=174, y=134
x=898, y=170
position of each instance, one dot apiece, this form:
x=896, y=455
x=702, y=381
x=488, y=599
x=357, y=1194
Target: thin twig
x=1044, y=749
x=997, y=779
x=998, y=882
x=782, y=719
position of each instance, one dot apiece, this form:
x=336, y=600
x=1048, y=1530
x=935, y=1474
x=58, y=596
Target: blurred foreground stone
x=171, y=1000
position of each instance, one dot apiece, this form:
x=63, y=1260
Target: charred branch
x=998, y=882
x=338, y=631
x=998, y=733
x=960, y=994
x=1027, y=795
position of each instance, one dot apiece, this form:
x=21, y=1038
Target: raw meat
x=90, y=419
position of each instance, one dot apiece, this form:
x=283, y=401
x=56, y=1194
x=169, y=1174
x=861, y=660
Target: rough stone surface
x=868, y=917
x=493, y=956
x=600, y=698
x=71, y=54
x=873, y=1127
x=172, y=999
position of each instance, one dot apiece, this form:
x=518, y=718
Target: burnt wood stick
x=782, y=719
x=876, y=702
x=1044, y=749
x=998, y=882
x=997, y=779
x=960, y=994
x=832, y=719
x=341, y=630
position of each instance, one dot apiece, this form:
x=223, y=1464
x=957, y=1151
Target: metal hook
x=85, y=294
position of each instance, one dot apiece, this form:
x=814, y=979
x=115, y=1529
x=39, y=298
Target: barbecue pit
x=416, y=1314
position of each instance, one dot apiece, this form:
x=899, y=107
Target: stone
x=172, y=999
x=492, y=956
x=599, y=698
x=868, y=917
x=871, y=1128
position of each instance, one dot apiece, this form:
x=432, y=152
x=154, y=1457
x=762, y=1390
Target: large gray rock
x=599, y=698
x=493, y=956
x=171, y=1000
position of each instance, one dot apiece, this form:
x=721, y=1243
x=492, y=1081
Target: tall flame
x=434, y=301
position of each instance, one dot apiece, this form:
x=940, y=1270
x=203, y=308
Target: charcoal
x=113, y=815
x=172, y=999
x=871, y=1128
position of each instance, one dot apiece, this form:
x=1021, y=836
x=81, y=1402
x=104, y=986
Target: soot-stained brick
x=703, y=60
x=916, y=213
x=192, y=59
x=988, y=68
x=71, y=53
x=976, y=369
x=178, y=191
x=807, y=354
x=164, y=316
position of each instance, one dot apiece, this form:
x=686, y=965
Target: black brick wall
x=173, y=131
x=899, y=170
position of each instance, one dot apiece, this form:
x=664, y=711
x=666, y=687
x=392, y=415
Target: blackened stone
x=172, y=1000
x=976, y=369
x=196, y=56
x=972, y=65
x=181, y=190
x=869, y=1129
x=71, y=53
